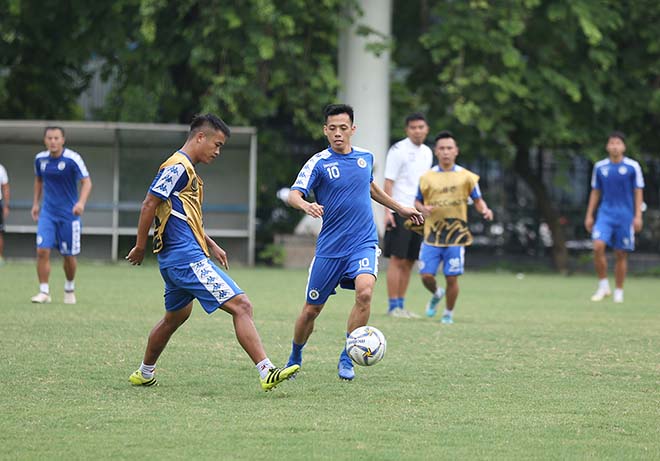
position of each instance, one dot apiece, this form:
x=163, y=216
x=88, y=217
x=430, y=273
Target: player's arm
x=381, y=197
x=482, y=207
x=147, y=214
x=594, y=199
x=85, y=190
x=5, y=199
x=217, y=252
x=36, y=200
x=388, y=186
x=637, y=220
x=296, y=200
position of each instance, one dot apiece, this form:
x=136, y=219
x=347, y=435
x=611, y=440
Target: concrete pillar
x=365, y=85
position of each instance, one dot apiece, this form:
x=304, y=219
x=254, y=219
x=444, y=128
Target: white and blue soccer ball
x=366, y=346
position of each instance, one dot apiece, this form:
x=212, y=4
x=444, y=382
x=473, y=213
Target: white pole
x=365, y=85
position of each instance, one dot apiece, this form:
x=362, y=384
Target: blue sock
x=393, y=304
x=296, y=354
x=343, y=357
x=400, y=302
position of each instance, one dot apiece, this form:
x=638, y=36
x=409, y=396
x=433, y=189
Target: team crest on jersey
x=623, y=170
x=362, y=163
x=61, y=165
x=195, y=185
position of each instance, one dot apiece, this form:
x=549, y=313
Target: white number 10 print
x=333, y=171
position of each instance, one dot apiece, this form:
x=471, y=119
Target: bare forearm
x=85, y=190
x=381, y=197
x=38, y=188
x=5, y=195
x=594, y=198
x=147, y=214
x=639, y=199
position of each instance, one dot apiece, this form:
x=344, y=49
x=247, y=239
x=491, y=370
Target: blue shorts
x=326, y=273
x=60, y=233
x=201, y=280
x=616, y=234
x=430, y=257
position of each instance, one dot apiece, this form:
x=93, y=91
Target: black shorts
x=401, y=242
x=2, y=219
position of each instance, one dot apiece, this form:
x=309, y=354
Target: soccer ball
x=366, y=346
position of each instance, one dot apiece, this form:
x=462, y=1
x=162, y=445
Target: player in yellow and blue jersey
x=174, y=201
x=617, y=187
x=443, y=196
x=341, y=179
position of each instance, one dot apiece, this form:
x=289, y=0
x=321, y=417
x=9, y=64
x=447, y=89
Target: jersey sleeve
x=392, y=163
x=639, y=176
x=595, y=179
x=307, y=178
x=168, y=180
x=37, y=170
x=476, y=192
x=81, y=169
x=4, y=178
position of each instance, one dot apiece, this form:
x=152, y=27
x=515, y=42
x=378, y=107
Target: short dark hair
x=199, y=122
x=444, y=135
x=617, y=134
x=414, y=117
x=54, y=127
x=336, y=109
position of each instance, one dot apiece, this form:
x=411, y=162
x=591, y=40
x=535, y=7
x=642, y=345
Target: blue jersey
x=342, y=184
x=60, y=176
x=617, y=183
x=180, y=246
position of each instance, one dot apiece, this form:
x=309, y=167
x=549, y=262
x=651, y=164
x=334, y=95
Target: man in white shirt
x=406, y=161
x=4, y=208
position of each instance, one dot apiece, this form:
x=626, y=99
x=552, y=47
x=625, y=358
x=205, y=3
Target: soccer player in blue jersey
x=347, y=247
x=174, y=202
x=617, y=186
x=58, y=170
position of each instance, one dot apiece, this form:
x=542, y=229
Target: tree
x=519, y=75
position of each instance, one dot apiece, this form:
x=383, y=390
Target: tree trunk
x=548, y=211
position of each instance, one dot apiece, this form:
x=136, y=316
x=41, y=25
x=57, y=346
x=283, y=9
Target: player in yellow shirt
x=443, y=196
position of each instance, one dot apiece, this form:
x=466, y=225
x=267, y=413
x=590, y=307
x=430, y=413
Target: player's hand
x=35, y=213
x=488, y=214
x=589, y=223
x=637, y=224
x=135, y=256
x=78, y=209
x=390, y=222
x=314, y=210
x=426, y=210
x=221, y=256
x=415, y=215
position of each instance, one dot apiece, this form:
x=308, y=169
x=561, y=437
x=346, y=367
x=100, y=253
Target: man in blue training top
x=617, y=187
x=347, y=247
x=174, y=201
x=58, y=170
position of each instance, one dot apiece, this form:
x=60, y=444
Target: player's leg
x=46, y=239
x=397, y=248
x=454, y=264
x=620, y=271
x=601, y=235
x=70, y=265
x=324, y=274
x=158, y=338
x=68, y=235
x=429, y=261
x=2, y=234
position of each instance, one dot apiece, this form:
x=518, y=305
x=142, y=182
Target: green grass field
x=530, y=370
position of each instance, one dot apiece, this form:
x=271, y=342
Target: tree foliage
x=515, y=75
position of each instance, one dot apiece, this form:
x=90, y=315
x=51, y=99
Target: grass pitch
x=531, y=369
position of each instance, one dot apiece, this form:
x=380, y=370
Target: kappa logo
x=362, y=163
x=314, y=294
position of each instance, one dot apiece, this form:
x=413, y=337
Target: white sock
x=439, y=293
x=604, y=284
x=69, y=285
x=618, y=292
x=43, y=288
x=264, y=366
x=447, y=312
x=147, y=370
